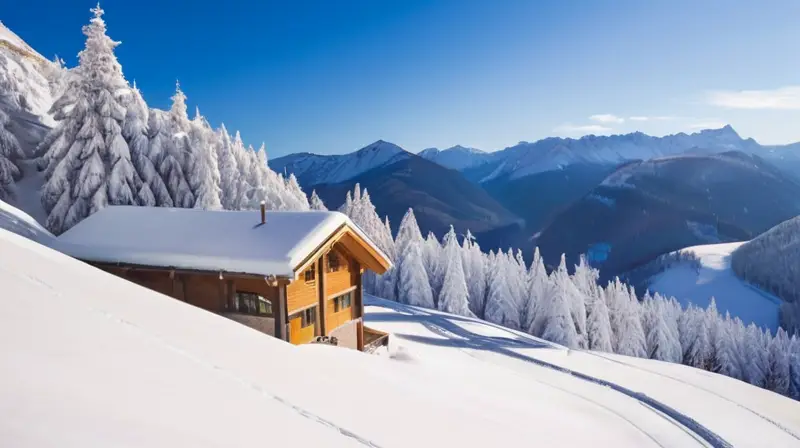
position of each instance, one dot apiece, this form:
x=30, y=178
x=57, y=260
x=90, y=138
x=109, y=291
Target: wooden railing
x=374, y=339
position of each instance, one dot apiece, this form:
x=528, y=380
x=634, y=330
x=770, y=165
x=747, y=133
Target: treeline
x=772, y=262
x=110, y=148
x=570, y=309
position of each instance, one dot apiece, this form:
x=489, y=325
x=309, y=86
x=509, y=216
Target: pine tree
x=432, y=255
x=413, y=287
x=453, y=296
x=629, y=338
x=778, y=378
x=500, y=307
x=658, y=337
x=537, y=288
x=169, y=144
x=90, y=161
x=598, y=324
x=228, y=170
x=757, y=356
x=559, y=324
x=10, y=155
x=794, y=368
x=152, y=191
x=475, y=270
x=204, y=177
x=315, y=202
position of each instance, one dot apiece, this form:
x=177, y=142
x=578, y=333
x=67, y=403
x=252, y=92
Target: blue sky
x=333, y=76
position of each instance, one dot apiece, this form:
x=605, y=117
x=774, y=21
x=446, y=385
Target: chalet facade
x=293, y=275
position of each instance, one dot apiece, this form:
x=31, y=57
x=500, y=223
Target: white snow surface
x=90, y=359
x=17, y=221
x=715, y=278
x=9, y=36
x=492, y=364
x=230, y=241
x=314, y=169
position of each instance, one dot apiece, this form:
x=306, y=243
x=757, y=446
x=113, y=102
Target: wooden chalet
x=292, y=275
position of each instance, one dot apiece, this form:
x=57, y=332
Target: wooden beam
x=280, y=314
x=322, y=325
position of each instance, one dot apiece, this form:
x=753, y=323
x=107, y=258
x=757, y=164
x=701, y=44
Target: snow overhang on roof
x=216, y=241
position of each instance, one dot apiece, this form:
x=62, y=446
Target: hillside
x=645, y=209
x=440, y=197
x=710, y=275
x=130, y=376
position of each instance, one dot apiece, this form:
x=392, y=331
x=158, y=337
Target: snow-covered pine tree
x=756, y=343
x=598, y=325
x=10, y=155
x=413, y=287
x=629, y=338
x=453, y=296
x=559, y=324
x=169, y=142
x=659, y=342
x=152, y=191
x=316, y=203
x=432, y=255
x=243, y=188
x=794, y=368
x=536, y=289
x=778, y=377
x=95, y=169
x=228, y=169
x=204, y=177
x=475, y=269
x=725, y=361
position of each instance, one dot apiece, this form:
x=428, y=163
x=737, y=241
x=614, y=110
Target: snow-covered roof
x=227, y=241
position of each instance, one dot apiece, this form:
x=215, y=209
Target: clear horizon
x=314, y=77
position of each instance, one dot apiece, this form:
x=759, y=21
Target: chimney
x=263, y=212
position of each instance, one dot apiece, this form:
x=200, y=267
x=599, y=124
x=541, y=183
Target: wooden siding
x=342, y=279
x=300, y=294
x=204, y=291
x=333, y=320
x=297, y=334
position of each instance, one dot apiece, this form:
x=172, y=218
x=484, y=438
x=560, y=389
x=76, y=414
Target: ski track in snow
x=702, y=434
x=664, y=375
x=227, y=373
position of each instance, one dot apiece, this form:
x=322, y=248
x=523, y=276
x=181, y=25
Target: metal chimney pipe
x=263, y=212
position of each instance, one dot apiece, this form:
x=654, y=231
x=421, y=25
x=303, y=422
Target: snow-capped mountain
x=555, y=153
x=457, y=157
x=648, y=208
x=314, y=169
x=28, y=81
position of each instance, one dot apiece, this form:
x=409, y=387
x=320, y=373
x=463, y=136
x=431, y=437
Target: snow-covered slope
x=552, y=380
x=458, y=157
x=313, y=169
x=28, y=82
x=19, y=222
x=715, y=278
x=771, y=260
x=92, y=360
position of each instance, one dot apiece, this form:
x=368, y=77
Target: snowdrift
x=92, y=360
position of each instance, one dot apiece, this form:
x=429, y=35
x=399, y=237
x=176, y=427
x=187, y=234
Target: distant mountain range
x=623, y=198
x=396, y=180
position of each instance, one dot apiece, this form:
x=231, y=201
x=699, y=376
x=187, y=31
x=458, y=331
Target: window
x=342, y=302
x=310, y=275
x=251, y=303
x=308, y=316
x=333, y=262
